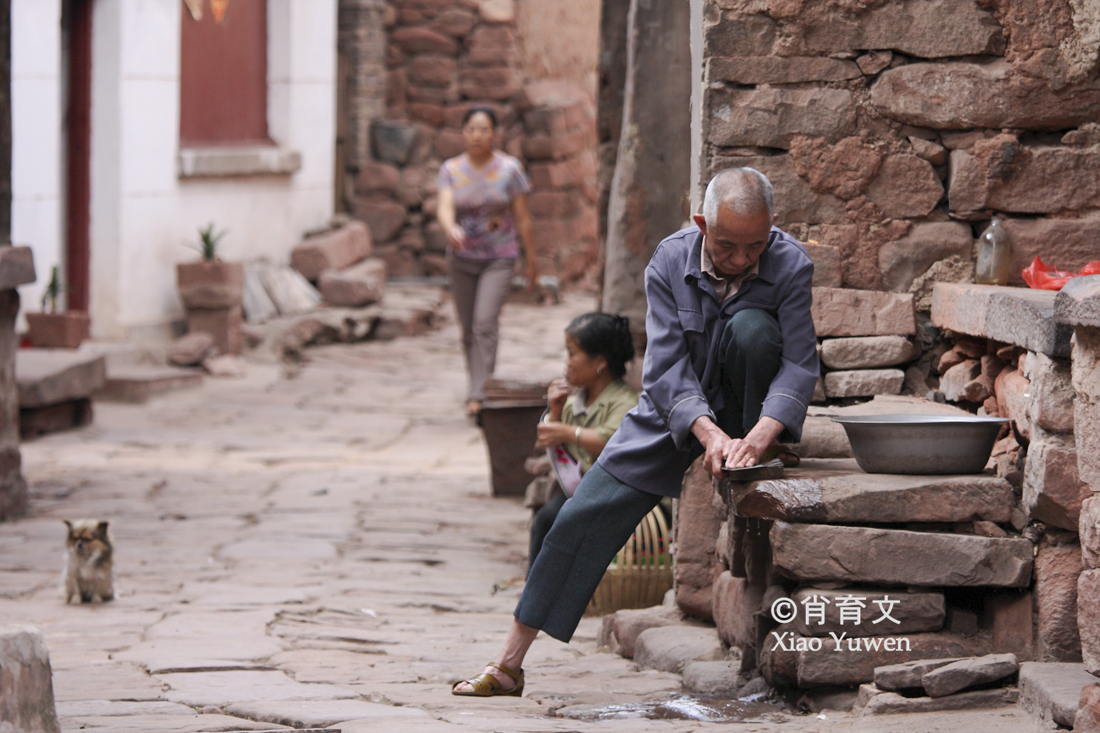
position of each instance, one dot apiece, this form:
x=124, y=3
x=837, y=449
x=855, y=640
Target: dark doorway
x=77, y=28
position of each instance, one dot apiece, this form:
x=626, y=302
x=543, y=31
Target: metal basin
x=921, y=444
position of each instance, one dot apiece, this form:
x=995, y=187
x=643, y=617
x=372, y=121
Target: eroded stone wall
x=894, y=129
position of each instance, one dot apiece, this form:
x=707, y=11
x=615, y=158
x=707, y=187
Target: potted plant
x=210, y=283
x=212, y=291
x=52, y=330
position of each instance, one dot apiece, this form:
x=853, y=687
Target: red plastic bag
x=1041, y=276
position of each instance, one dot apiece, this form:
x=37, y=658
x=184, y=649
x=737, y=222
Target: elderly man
x=730, y=366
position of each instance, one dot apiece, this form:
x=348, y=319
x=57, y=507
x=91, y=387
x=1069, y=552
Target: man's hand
x=723, y=451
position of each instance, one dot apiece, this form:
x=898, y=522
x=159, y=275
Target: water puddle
x=682, y=708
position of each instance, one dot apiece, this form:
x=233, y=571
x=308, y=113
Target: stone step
x=791, y=660
x=1019, y=316
x=1052, y=690
x=838, y=492
x=966, y=673
x=137, y=383
x=813, y=552
x=52, y=376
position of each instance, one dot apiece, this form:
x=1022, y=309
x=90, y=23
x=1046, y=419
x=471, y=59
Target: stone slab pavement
x=317, y=545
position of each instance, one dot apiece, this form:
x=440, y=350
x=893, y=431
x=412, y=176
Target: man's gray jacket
x=654, y=446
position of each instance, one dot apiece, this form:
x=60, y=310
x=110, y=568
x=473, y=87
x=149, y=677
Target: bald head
x=745, y=191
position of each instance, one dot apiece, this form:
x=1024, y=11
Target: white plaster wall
x=144, y=218
x=37, y=154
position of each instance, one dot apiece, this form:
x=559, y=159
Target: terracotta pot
x=210, y=284
x=58, y=330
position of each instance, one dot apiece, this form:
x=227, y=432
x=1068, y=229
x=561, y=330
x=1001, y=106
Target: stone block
x=355, y=286
x=906, y=187
x=773, y=116
x=923, y=28
x=1088, y=619
x=1052, y=691
x=16, y=267
x=1068, y=244
x=734, y=610
x=26, y=681
x=489, y=82
x=852, y=660
x=1057, y=569
x=385, y=217
x=988, y=95
x=932, y=152
x=620, y=630
x=1018, y=316
x=752, y=70
x=455, y=22
x=854, y=497
x=1053, y=492
x=845, y=312
x=801, y=204
x=965, y=673
x=393, y=141
x=376, y=177
x=870, y=555
x=713, y=678
x=48, y=377
x=497, y=11
x=1089, y=529
x=1023, y=188
x=423, y=40
x=864, y=383
x=1086, y=411
x=1078, y=302
x=491, y=45
x=671, y=648
x=954, y=381
x=737, y=34
x=697, y=527
x=1010, y=616
x=1087, y=719
x=868, y=352
x=893, y=703
x=904, y=260
x=333, y=250
x=907, y=675
x=1013, y=392
x=224, y=324
x=827, y=266
x=863, y=612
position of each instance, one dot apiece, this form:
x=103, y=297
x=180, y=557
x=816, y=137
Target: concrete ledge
x=1018, y=316
x=137, y=384
x=1078, y=303
x=258, y=160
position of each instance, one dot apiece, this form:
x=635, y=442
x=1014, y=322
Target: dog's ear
x=101, y=530
x=69, y=525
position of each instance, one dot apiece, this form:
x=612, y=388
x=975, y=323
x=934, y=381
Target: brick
x=1023, y=188
x=827, y=265
x=1053, y=491
x=867, y=352
x=778, y=70
x=864, y=383
x=1012, y=389
x=740, y=35
x=844, y=312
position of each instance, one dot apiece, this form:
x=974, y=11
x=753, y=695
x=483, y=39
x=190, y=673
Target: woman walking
x=483, y=210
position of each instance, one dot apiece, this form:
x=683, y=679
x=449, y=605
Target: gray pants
x=479, y=288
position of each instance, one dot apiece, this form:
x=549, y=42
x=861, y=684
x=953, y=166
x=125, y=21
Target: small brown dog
x=89, y=567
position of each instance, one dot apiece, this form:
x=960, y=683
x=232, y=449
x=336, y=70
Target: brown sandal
x=487, y=685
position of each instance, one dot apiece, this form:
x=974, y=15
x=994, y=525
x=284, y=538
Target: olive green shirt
x=604, y=416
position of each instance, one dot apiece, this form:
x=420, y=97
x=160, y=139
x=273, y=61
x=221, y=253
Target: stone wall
x=894, y=129
x=440, y=58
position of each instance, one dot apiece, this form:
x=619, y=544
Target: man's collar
x=766, y=272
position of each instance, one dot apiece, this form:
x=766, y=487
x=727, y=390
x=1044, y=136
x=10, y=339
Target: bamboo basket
x=642, y=571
